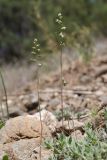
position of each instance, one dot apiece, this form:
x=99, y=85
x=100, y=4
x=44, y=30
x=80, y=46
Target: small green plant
x=66, y=114
x=105, y=114
x=105, y=119
x=1, y=124
x=68, y=148
x=5, y=157
x=94, y=112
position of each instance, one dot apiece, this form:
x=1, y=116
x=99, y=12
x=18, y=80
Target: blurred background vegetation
x=23, y=20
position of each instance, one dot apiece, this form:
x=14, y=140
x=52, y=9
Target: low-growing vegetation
x=1, y=124
x=5, y=157
x=91, y=147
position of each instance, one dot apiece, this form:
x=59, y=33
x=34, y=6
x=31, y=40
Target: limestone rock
x=48, y=118
x=21, y=136
x=22, y=127
x=25, y=149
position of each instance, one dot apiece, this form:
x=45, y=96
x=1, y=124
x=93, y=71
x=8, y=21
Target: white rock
x=48, y=118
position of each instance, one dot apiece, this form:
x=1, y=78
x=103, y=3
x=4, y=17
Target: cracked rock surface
x=20, y=136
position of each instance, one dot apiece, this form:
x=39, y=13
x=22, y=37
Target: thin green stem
x=2, y=111
x=61, y=70
x=5, y=92
x=38, y=84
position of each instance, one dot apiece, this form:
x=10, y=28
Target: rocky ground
x=84, y=100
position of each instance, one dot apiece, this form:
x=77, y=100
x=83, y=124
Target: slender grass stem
x=5, y=92
x=2, y=111
x=38, y=84
x=61, y=74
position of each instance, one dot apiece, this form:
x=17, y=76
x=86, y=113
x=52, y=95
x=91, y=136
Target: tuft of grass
x=5, y=157
x=66, y=114
x=1, y=124
x=68, y=148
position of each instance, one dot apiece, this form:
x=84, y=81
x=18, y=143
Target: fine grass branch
x=5, y=92
x=36, y=54
x=61, y=43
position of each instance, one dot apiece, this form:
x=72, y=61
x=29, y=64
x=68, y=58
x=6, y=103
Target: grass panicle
x=61, y=43
x=36, y=54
